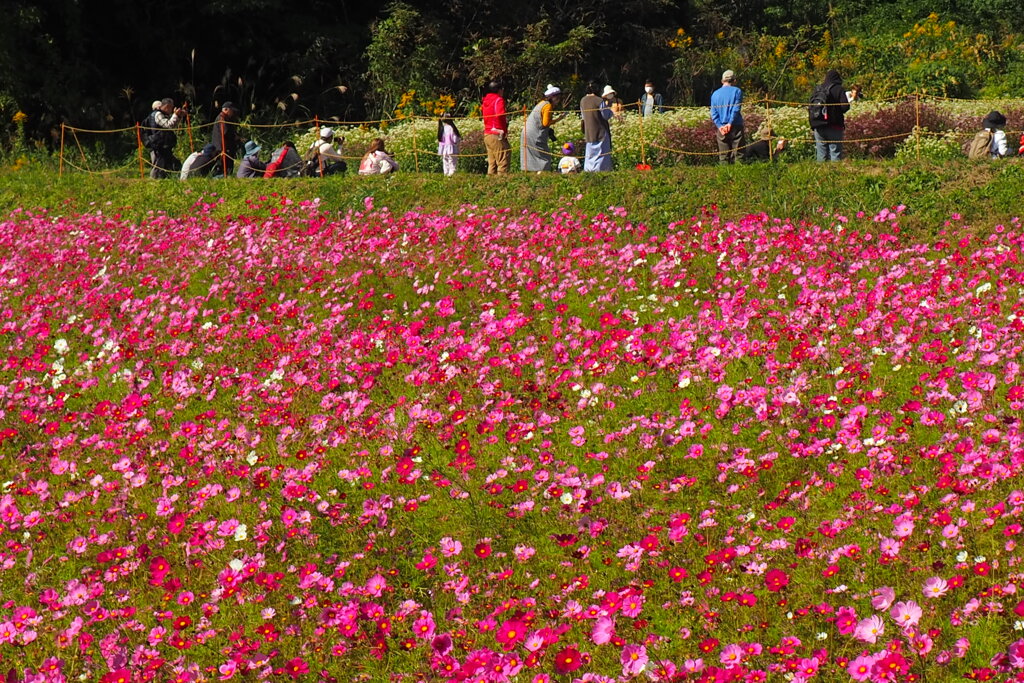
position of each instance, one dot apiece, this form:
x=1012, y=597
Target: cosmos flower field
x=491, y=445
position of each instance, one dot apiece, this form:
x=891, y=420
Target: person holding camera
x=159, y=138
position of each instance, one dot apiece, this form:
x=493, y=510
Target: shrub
x=879, y=132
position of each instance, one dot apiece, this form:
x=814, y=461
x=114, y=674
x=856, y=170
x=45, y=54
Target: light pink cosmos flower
x=935, y=587
x=881, y=598
x=869, y=629
x=604, y=630
x=906, y=614
x=860, y=668
x=634, y=659
x=731, y=655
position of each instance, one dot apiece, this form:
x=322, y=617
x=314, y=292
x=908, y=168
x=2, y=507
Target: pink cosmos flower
x=860, y=668
x=906, y=614
x=935, y=587
x=603, y=631
x=869, y=629
x=881, y=598
x=731, y=655
x=634, y=659
x=846, y=620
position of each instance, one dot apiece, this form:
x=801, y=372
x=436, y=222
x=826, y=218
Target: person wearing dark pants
x=726, y=103
x=828, y=117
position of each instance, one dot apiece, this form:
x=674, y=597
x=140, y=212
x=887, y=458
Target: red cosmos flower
x=982, y=569
x=182, y=622
x=708, y=645
x=564, y=540
x=176, y=524
x=296, y=667
x=568, y=660
x=677, y=574
x=776, y=579
x=118, y=676
x=649, y=542
x=482, y=550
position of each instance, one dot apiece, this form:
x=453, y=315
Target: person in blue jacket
x=726, y=103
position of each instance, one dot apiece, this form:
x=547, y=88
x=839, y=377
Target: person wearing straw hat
x=535, y=155
x=595, y=114
x=767, y=148
x=251, y=166
x=726, y=103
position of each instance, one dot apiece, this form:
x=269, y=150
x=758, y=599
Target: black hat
x=994, y=119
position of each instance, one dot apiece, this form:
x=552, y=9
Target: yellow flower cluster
x=20, y=117
x=409, y=106
x=681, y=41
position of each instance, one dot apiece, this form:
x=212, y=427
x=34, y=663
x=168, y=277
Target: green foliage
x=404, y=55
x=983, y=193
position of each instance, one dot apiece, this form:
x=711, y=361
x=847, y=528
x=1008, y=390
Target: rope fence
x=146, y=160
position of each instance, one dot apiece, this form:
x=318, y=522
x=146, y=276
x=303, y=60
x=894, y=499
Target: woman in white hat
x=612, y=98
x=535, y=154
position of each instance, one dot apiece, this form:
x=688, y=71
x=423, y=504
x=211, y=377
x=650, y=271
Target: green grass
x=985, y=193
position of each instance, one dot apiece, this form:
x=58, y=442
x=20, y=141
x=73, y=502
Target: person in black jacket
x=159, y=138
x=829, y=128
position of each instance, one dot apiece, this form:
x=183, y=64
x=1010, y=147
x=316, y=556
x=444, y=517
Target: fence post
x=60, y=168
x=138, y=137
x=415, y=148
x=917, y=123
x=643, y=142
x=188, y=125
x=223, y=149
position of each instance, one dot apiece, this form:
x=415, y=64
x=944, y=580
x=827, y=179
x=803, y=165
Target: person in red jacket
x=499, y=156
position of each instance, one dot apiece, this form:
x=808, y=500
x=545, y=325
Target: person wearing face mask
x=651, y=102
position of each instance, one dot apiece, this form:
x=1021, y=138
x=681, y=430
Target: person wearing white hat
x=323, y=157
x=725, y=114
x=612, y=98
x=535, y=155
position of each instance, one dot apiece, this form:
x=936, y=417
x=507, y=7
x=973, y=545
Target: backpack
x=311, y=163
x=978, y=147
x=153, y=136
x=818, y=109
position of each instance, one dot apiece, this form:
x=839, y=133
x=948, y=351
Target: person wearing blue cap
x=251, y=166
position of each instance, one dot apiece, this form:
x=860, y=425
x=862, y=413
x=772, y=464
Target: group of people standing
x=830, y=102
x=597, y=108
